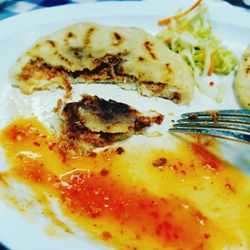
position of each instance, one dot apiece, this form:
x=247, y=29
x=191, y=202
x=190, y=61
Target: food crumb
x=104, y=172
x=193, y=116
x=58, y=105
x=52, y=145
x=159, y=162
x=120, y=150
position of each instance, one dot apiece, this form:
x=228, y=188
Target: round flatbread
x=88, y=52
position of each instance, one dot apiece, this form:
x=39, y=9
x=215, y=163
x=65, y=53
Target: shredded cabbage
x=192, y=37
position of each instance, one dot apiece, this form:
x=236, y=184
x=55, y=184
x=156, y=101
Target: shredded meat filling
x=94, y=122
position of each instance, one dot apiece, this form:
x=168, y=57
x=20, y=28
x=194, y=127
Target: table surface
x=11, y=8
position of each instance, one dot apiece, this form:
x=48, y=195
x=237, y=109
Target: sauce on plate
x=136, y=197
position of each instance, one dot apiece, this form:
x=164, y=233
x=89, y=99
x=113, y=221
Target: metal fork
x=228, y=124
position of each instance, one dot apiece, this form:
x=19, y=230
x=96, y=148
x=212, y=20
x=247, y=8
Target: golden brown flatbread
x=88, y=52
x=94, y=122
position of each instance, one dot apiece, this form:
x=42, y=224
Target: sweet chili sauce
x=183, y=198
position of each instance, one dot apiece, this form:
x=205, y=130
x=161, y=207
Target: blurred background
x=10, y=7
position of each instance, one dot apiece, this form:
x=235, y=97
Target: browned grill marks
x=168, y=67
x=248, y=69
x=70, y=34
x=117, y=38
x=52, y=43
x=149, y=47
x=141, y=59
x=88, y=35
x=77, y=52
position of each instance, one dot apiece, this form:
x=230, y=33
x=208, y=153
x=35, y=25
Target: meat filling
x=94, y=122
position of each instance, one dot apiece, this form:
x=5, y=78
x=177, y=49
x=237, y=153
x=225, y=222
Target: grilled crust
x=242, y=80
x=87, y=52
x=94, y=122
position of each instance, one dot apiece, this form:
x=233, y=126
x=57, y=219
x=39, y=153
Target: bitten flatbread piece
x=242, y=80
x=88, y=52
x=94, y=122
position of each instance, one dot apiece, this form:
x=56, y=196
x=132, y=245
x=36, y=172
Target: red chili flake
x=229, y=187
x=104, y=172
x=173, y=167
x=211, y=83
x=207, y=236
x=183, y=171
x=92, y=154
x=37, y=144
x=52, y=145
x=200, y=218
x=120, y=150
x=106, y=235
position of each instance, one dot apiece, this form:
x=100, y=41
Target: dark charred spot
x=107, y=117
x=70, y=34
x=65, y=59
x=52, y=43
x=149, y=47
x=88, y=35
x=168, y=67
x=141, y=59
x=117, y=38
x=120, y=150
x=77, y=52
x=248, y=69
x=110, y=109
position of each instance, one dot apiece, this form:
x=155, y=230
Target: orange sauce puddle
x=152, y=199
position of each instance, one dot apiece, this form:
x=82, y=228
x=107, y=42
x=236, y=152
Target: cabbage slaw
x=192, y=37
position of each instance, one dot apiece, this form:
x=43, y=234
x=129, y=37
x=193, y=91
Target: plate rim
x=126, y=5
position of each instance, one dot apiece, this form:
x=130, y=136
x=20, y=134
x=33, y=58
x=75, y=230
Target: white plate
x=231, y=24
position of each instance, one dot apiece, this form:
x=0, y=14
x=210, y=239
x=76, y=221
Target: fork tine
x=231, y=112
x=229, y=124
x=225, y=125
x=216, y=132
x=232, y=119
